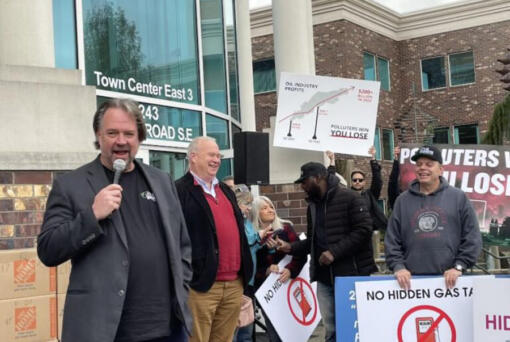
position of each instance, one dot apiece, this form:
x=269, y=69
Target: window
x=215, y=81
x=376, y=68
x=466, y=134
x=146, y=48
x=388, y=144
x=382, y=204
x=175, y=164
x=230, y=29
x=225, y=168
x=217, y=129
x=377, y=143
x=441, y=135
x=433, y=74
x=64, y=34
x=264, y=76
x=462, y=68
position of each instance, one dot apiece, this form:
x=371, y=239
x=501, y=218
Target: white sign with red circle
x=292, y=306
x=428, y=312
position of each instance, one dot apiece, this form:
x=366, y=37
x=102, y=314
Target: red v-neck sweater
x=229, y=260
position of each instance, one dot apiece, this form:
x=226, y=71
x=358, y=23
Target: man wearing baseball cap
x=338, y=236
x=433, y=229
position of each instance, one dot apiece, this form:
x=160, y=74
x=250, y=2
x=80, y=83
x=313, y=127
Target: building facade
x=60, y=59
x=436, y=69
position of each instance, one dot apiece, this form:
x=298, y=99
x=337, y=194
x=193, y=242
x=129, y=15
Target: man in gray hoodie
x=433, y=229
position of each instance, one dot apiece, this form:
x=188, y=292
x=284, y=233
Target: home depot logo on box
x=25, y=319
x=24, y=271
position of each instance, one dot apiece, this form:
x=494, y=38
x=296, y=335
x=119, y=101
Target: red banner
x=481, y=171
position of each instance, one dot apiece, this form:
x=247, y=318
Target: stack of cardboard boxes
x=30, y=307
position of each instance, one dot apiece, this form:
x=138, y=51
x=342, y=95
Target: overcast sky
x=401, y=6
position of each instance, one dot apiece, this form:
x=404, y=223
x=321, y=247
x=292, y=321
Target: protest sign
x=428, y=312
x=491, y=310
x=326, y=113
x=481, y=171
x=345, y=306
x=292, y=306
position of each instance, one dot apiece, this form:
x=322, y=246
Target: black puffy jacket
x=348, y=231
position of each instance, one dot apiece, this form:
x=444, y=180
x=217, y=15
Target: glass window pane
x=225, y=168
x=175, y=164
x=235, y=129
x=383, y=73
x=462, y=68
x=142, y=47
x=441, y=135
x=168, y=124
x=368, y=66
x=377, y=143
x=466, y=134
x=264, y=76
x=64, y=34
x=433, y=73
x=232, y=58
x=217, y=128
x=213, y=49
x=387, y=144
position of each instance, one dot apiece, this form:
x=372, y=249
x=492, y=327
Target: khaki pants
x=215, y=312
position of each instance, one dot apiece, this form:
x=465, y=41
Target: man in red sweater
x=221, y=259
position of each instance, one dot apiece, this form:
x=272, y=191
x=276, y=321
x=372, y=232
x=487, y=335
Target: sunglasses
x=358, y=180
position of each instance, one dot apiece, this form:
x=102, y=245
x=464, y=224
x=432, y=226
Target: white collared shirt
x=211, y=191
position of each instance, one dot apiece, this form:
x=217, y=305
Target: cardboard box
x=32, y=319
x=61, y=299
x=22, y=274
x=63, y=273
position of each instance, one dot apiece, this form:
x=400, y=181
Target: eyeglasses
x=358, y=180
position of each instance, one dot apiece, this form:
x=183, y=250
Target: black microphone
x=119, y=165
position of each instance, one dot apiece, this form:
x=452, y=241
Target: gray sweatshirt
x=428, y=234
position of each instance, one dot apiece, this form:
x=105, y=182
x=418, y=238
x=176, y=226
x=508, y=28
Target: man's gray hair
x=193, y=145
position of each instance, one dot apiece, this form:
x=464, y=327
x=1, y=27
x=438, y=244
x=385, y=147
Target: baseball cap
x=430, y=152
x=311, y=169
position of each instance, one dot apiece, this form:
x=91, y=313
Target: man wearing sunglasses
x=379, y=220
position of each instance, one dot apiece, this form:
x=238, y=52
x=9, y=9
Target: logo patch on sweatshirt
x=428, y=221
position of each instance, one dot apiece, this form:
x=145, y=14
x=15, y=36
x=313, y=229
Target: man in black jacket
x=371, y=196
x=221, y=259
x=338, y=236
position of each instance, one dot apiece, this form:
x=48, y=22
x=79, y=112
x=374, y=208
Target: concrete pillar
x=293, y=37
x=246, y=99
x=26, y=33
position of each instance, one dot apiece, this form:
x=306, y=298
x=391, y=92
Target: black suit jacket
x=202, y=232
x=99, y=250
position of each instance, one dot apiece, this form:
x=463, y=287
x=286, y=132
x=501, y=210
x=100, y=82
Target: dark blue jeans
x=244, y=334
x=326, y=297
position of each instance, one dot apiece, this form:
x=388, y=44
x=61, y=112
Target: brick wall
x=339, y=48
x=23, y=197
